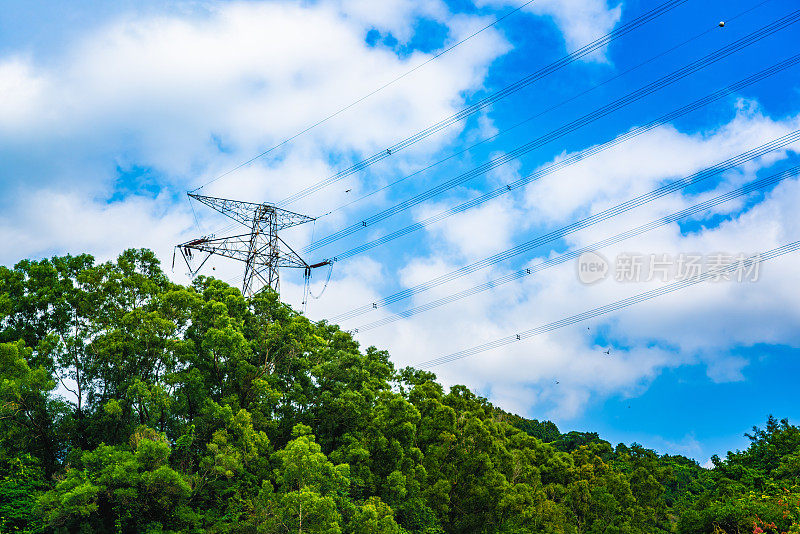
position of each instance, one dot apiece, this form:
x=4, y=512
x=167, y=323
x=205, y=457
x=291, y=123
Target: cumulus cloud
x=58, y=222
x=185, y=97
x=21, y=89
x=561, y=372
x=479, y=232
x=580, y=21
x=395, y=16
x=638, y=166
x=98, y=144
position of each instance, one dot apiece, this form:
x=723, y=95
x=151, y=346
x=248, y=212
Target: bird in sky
x=347, y=190
x=607, y=352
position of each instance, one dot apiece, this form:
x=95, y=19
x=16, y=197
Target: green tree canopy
x=131, y=404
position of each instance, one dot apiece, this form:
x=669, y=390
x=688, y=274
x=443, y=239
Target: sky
x=112, y=111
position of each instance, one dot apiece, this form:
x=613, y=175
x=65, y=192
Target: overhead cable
x=358, y=101
x=666, y=189
x=490, y=99
x=700, y=208
x=558, y=165
x=563, y=130
x=711, y=274
x=504, y=131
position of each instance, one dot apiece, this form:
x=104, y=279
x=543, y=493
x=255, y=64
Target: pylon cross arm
x=248, y=212
x=238, y=247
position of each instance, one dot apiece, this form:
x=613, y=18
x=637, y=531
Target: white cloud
x=65, y=222
x=580, y=21
x=395, y=16
x=663, y=154
x=187, y=96
x=475, y=233
x=21, y=89
x=698, y=325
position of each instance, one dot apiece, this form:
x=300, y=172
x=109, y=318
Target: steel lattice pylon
x=261, y=250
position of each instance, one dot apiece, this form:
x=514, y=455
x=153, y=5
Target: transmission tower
x=261, y=250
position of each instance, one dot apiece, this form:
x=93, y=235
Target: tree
x=131, y=404
x=311, y=490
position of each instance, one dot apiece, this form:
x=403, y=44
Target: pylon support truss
x=261, y=250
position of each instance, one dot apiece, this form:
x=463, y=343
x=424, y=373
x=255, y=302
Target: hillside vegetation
x=130, y=404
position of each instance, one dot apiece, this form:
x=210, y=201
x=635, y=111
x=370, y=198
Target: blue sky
x=113, y=110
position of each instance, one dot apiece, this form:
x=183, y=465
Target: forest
x=131, y=404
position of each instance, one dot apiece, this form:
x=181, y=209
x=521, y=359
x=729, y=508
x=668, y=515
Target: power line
x=356, y=102
x=705, y=101
x=714, y=28
x=586, y=222
x=564, y=163
x=551, y=136
x=614, y=306
x=194, y=213
x=488, y=100
x=573, y=254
